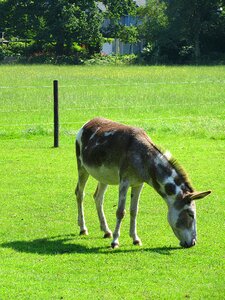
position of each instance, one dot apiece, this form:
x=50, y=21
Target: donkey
x=117, y=154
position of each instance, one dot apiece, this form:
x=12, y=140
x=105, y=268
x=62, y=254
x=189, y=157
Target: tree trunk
x=59, y=48
x=197, y=50
x=196, y=33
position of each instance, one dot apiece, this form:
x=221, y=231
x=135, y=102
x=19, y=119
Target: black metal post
x=56, y=113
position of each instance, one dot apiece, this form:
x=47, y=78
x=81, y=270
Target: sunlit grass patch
x=42, y=254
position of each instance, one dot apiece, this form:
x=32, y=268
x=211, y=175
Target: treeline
x=171, y=31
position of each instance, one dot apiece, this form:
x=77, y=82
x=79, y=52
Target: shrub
x=101, y=59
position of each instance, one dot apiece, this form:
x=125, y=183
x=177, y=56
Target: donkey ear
x=198, y=195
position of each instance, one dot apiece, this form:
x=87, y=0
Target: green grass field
x=42, y=255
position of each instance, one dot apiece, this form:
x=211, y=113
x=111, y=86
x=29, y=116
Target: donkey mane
x=182, y=173
x=176, y=166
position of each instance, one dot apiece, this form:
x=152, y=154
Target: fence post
x=56, y=113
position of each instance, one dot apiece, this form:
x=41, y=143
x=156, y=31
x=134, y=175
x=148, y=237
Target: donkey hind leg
x=135, y=194
x=79, y=191
x=120, y=213
x=99, y=200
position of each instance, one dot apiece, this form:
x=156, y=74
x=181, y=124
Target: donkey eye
x=190, y=214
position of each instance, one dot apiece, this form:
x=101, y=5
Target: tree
x=182, y=31
x=59, y=22
x=18, y=18
x=153, y=25
x=115, y=11
x=72, y=21
x=192, y=20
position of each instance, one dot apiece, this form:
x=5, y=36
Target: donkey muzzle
x=188, y=245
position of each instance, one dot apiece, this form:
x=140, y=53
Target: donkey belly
x=104, y=174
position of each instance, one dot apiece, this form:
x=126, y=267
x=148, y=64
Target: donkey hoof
x=137, y=243
x=114, y=245
x=84, y=232
x=107, y=235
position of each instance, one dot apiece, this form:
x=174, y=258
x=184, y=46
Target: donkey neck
x=168, y=178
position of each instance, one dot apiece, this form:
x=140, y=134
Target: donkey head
x=182, y=218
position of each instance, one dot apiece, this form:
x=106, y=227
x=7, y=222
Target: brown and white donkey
x=117, y=154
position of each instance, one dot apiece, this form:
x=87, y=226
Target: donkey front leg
x=99, y=199
x=123, y=188
x=135, y=194
x=79, y=192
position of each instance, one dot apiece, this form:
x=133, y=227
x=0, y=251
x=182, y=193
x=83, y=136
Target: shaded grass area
x=42, y=255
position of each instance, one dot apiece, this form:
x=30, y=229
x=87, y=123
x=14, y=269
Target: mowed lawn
x=42, y=255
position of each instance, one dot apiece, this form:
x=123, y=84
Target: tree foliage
x=115, y=11
x=182, y=31
x=193, y=20
x=154, y=22
x=54, y=21
x=172, y=31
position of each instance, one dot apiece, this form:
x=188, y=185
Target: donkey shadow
x=58, y=245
